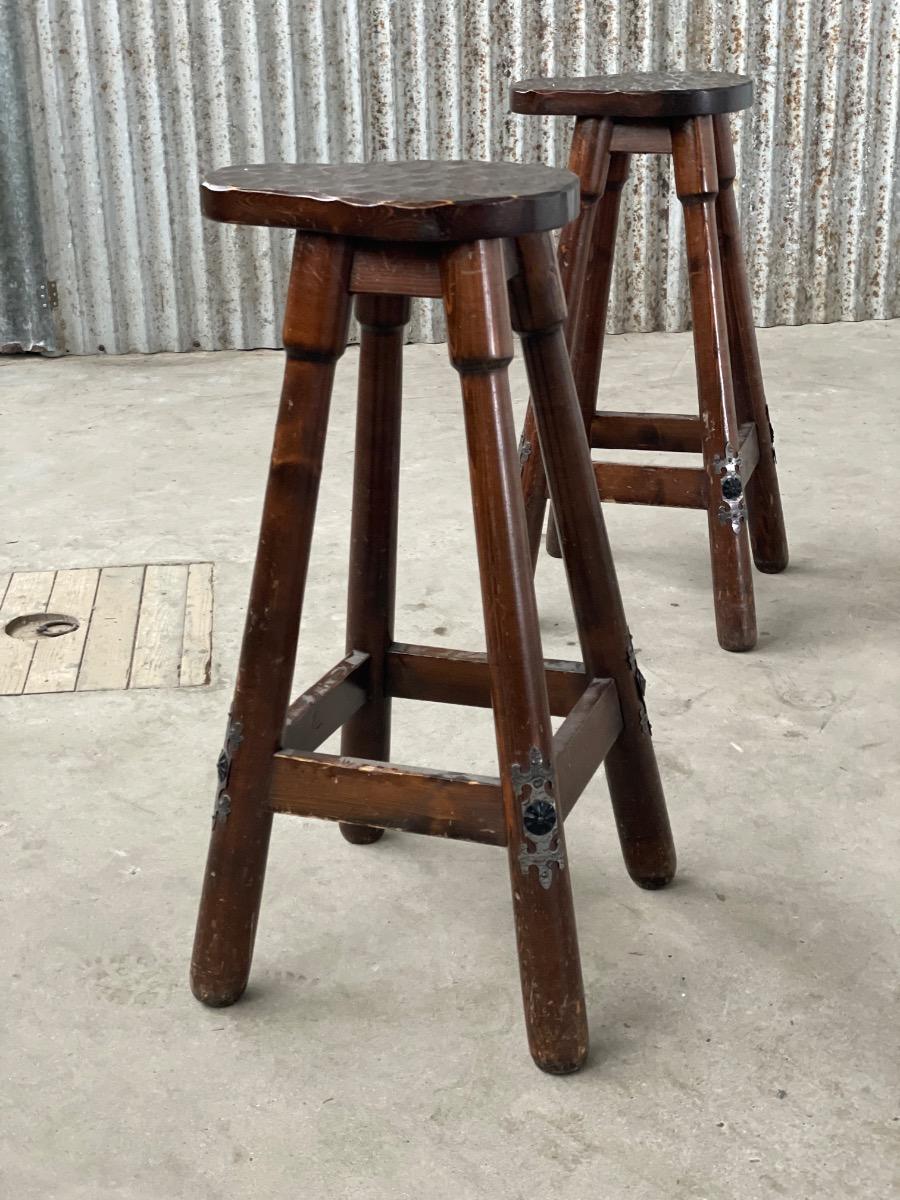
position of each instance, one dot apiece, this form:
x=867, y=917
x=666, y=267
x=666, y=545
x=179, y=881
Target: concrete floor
x=744, y=1040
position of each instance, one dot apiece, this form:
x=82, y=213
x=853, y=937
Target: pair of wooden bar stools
x=477, y=235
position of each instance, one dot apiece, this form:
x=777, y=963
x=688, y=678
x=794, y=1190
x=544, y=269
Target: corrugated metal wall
x=130, y=103
x=25, y=315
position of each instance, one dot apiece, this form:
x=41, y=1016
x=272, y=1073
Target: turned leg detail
x=373, y=533
x=475, y=295
x=696, y=181
x=768, y=537
x=635, y=787
x=315, y=334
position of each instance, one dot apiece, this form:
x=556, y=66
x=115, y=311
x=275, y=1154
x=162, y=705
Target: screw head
x=539, y=818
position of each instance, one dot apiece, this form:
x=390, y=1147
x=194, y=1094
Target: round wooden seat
x=397, y=201
x=635, y=94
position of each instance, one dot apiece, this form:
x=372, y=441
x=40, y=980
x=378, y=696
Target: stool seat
x=396, y=201
x=638, y=94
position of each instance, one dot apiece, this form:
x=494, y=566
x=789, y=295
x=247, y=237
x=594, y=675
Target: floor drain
x=41, y=625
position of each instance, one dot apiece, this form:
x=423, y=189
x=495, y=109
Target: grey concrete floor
x=744, y=1040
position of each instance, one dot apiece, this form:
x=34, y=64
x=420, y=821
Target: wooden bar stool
x=684, y=114
x=473, y=234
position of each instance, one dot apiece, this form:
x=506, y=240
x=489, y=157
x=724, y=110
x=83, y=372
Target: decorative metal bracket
x=525, y=449
x=234, y=735
x=534, y=792
x=733, y=512
x=640, y=684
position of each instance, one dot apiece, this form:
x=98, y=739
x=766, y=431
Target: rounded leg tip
x=564, y=1064
x=652, y=868
x=216, y=994
x=737, y=641
x=653, y=883
x=771, y=566
x=360, y=835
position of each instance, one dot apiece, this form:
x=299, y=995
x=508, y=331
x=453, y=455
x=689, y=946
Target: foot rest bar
x=323, y=708
x=584, y=739
x=646, y=431
x=670, y=487
x=463, y=677
x=389, y=796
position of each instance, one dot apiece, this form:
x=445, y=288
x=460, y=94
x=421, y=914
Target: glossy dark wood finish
x=768, y=537
x=463, y=677
x=324, y=708
x=667, y=487
x=646, y=431
x=408, y=201
x=315, y=334
x=696, y=183
x=480, y=342
x=733, y=432
x=273, y=764
x=634, y=94
x=631, y=770
x=595, y=240
x=588, y=733
x=416, y=800
x=372, y=576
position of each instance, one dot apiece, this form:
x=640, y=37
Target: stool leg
x=373, y=532
x=475, y=296
x=696, y=181
x=315, y=333
x=764, y=515
x=587, y=294
x=588, y=159
x=635, y=788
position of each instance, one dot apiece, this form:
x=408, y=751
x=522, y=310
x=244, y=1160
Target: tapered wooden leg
x=373, y=532
x=768, y=537
x=589, y=160
x=587, y=294
x=696, y=181
x=315, y=334
x=638, y=802
x=474, y=285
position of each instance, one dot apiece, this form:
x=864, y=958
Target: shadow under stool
x=476, y=236
x=684, y=114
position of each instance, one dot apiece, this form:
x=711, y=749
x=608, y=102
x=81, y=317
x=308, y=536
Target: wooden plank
x=27, y=592
x=672, y=487
x=463, y=677
x=54, y=667
x=583, y=740
x=106, y=661
x=647, y=431
x=157, y=644
x=388, y=796
x=323, y=708
x=196, y=651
